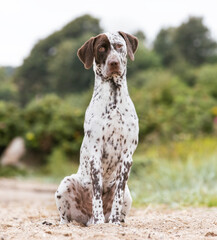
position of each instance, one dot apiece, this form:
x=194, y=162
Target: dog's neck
x=113, y=90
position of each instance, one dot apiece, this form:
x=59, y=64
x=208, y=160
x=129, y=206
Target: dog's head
x=108, y=52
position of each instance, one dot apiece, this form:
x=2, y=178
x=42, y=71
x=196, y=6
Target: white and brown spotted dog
x=99, y=193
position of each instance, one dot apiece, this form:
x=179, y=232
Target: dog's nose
x=113, y=63
x=113, y=66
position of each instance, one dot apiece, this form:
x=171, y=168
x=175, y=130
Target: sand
x=28, y=211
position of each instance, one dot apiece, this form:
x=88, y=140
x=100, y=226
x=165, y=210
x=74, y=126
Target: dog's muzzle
x=113, y=67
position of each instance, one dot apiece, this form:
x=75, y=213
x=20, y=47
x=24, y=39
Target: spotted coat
x=99, y=193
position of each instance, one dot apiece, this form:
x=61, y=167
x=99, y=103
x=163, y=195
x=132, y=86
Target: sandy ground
x=28, y=211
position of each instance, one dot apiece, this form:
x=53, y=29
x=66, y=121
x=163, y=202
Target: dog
x=98, y=193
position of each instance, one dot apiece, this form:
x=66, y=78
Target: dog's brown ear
x=86, y=53
x=132, y=44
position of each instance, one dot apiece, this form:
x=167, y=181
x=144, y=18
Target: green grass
x=176, y=174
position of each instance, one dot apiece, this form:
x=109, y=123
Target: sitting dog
x=98, y=193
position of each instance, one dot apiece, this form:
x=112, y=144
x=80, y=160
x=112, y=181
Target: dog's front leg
x=121, y=181
x=96, y=177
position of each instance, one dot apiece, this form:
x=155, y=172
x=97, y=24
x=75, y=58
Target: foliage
x=52, y=122
x=55, y=57
x=190, y=42
x=167, y=108
x=11, y=123
x=207, y=79
x=46, y=124
x=145, y=59
x=66, y=65
x=58, y=165
x=194, y=41
x=2, y=74
x=141, y=36
x=176, y=173
x=5, y=73
x=164, y=45
x=8, y=90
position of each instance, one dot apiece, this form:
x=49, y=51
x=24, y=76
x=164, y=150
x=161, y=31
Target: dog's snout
x=114, y=63
x=113, y=66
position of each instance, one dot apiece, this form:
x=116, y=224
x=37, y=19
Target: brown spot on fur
x=83, y=211
x=88, y=133
x=107, y=199
x=78, y=201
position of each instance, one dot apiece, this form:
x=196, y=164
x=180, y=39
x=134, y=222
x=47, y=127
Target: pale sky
x=24, y=22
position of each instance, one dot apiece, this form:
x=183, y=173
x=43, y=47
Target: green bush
x=52, y=122
x=58, y=164
x=11, y=123
x=144, y=59
x=167, y=107
x=207, y=79
x=8, y=91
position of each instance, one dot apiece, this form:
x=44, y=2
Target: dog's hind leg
x=74, y=201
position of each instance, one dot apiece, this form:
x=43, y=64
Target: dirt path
x=27, y=211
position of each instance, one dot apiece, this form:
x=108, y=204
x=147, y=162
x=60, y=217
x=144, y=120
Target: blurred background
x=45, y=90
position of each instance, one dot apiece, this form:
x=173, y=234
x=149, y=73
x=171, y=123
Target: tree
x=66, y=72
x=164, y=45
x=52, y=64
x=194, y=41
x=8, y=90
x=140, y=35
x=145, y=58
x=190, y=42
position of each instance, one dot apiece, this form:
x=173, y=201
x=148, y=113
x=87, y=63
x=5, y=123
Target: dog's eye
x=101, y=49
x=118, y=46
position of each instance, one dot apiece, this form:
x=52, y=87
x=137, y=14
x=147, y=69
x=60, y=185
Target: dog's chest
x=120, y=139
x=112, y=118
x=111, y=114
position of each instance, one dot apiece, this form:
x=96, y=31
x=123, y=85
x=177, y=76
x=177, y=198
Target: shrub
x=167, y=107
x=58, y=165
x=8, y=91
x=207, y=79
x=52, y=122
x=144, y=59
x=11, y=123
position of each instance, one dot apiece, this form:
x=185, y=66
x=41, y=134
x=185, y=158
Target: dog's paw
x=99, y=220
x=63, y=221
x=115, y=221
